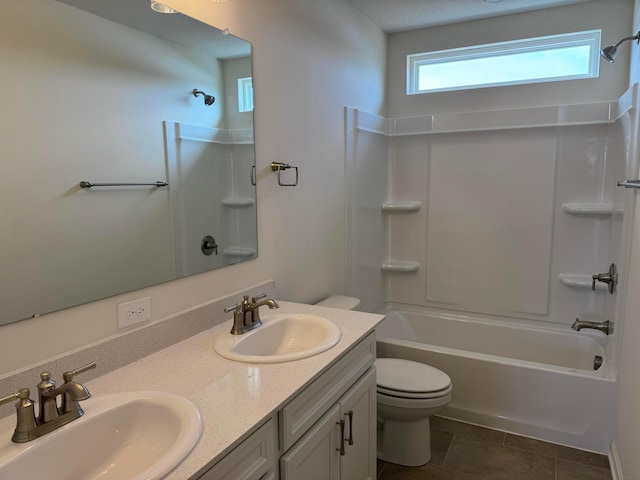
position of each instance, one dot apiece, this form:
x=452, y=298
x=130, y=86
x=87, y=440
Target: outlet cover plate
x=134, y=311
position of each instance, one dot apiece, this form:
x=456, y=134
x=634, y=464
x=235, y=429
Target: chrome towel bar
x=85, y=184
x=629, y=184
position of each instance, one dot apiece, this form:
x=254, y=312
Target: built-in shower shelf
x=400, y=266
x=592, y=209
x=238, y=202
x=240, y=251
x=579, y=281
x=401, y=207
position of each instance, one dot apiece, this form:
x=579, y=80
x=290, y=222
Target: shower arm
x=635, y=37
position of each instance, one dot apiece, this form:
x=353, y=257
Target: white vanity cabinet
x=311, y=428
x=314, y=429
x=341, y=445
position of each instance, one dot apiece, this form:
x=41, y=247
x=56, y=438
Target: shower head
x=208, y=99
x=609, y=53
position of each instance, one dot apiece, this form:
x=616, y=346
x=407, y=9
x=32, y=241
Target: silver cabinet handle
x=341, y=449
x=349, y=414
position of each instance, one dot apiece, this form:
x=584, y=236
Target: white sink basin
x=133, y=436
x=281, y=338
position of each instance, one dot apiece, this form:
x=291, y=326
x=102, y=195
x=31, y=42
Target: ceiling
x=176, y=28
x=400, y=15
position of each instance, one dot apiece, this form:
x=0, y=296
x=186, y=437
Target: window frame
x=245, y=94
x=590, y=38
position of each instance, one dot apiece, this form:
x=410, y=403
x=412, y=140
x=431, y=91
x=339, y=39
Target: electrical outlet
x=135, y=311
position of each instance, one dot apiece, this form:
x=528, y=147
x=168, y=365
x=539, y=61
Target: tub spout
x=605, y=327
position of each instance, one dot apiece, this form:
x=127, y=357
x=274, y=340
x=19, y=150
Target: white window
x=245, y=94
x=568, y=56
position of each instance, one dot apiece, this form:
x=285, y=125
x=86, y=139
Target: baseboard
x=614, y=463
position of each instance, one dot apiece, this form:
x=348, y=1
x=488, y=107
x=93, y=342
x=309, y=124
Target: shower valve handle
x=610, y=278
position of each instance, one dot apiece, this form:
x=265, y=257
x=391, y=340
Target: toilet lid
x=408, y=376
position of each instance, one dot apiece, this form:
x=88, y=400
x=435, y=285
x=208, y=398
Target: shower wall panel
x=367, y=186
x=490, y=217
x=492, y=235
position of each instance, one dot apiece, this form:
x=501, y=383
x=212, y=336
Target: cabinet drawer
x=250, y=460
x=302, y=412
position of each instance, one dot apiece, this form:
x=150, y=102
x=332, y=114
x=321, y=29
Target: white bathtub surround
x=502, y=197
x=531, y=380
x=233, y=397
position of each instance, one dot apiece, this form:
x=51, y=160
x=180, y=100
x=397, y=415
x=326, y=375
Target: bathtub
x=513, y=375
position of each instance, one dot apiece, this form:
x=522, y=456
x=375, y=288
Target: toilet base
x=404, y=443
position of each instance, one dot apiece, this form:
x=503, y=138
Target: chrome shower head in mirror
x=609, y=53
x=208, y=99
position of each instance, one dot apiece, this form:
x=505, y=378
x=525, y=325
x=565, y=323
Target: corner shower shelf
x=592, y=209
x=240, y=251
x=238, y=202
x=401, y=207
x=579, y=281
x=400, y=266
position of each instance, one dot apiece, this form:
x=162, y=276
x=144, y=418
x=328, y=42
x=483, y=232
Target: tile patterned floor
x=461, y=451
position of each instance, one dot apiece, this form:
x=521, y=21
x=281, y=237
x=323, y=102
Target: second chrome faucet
x=246, y=314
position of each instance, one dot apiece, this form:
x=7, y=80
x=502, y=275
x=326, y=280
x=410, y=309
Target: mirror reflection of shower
x=609, y=53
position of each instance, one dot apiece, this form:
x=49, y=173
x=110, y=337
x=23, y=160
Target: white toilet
x=408, y=394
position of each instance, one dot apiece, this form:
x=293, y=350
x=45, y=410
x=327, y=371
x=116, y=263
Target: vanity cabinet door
x=253, y=459
x=316, y=456
x=358, y=409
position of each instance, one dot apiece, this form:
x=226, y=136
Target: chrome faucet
x=606, y=327
x=50, y=416
x=246, y=315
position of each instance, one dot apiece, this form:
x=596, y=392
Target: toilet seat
x=408, y=379
x=413, y=395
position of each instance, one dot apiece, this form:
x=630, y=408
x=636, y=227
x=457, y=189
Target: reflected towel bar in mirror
x=85, y=184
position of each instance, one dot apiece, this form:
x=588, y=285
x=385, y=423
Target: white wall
x=310, y=59
x=613, y=17
x=628, y=420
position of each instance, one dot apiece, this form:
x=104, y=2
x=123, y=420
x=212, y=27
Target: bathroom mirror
x=102, y=91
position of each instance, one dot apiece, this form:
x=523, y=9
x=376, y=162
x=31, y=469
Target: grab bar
x=629, y=184
x=85, y=184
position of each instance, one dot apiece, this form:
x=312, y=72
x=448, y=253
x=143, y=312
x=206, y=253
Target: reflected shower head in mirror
x=208, y=99
x=609, y=53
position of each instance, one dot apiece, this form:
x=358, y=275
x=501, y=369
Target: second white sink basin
x=134, y=435
x=281, y=338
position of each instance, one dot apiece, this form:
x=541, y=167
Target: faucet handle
x=237, y=308
x=22, y=394
x=255, y=299
x=68, y=376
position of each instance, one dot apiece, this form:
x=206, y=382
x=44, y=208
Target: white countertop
x=232, y=397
